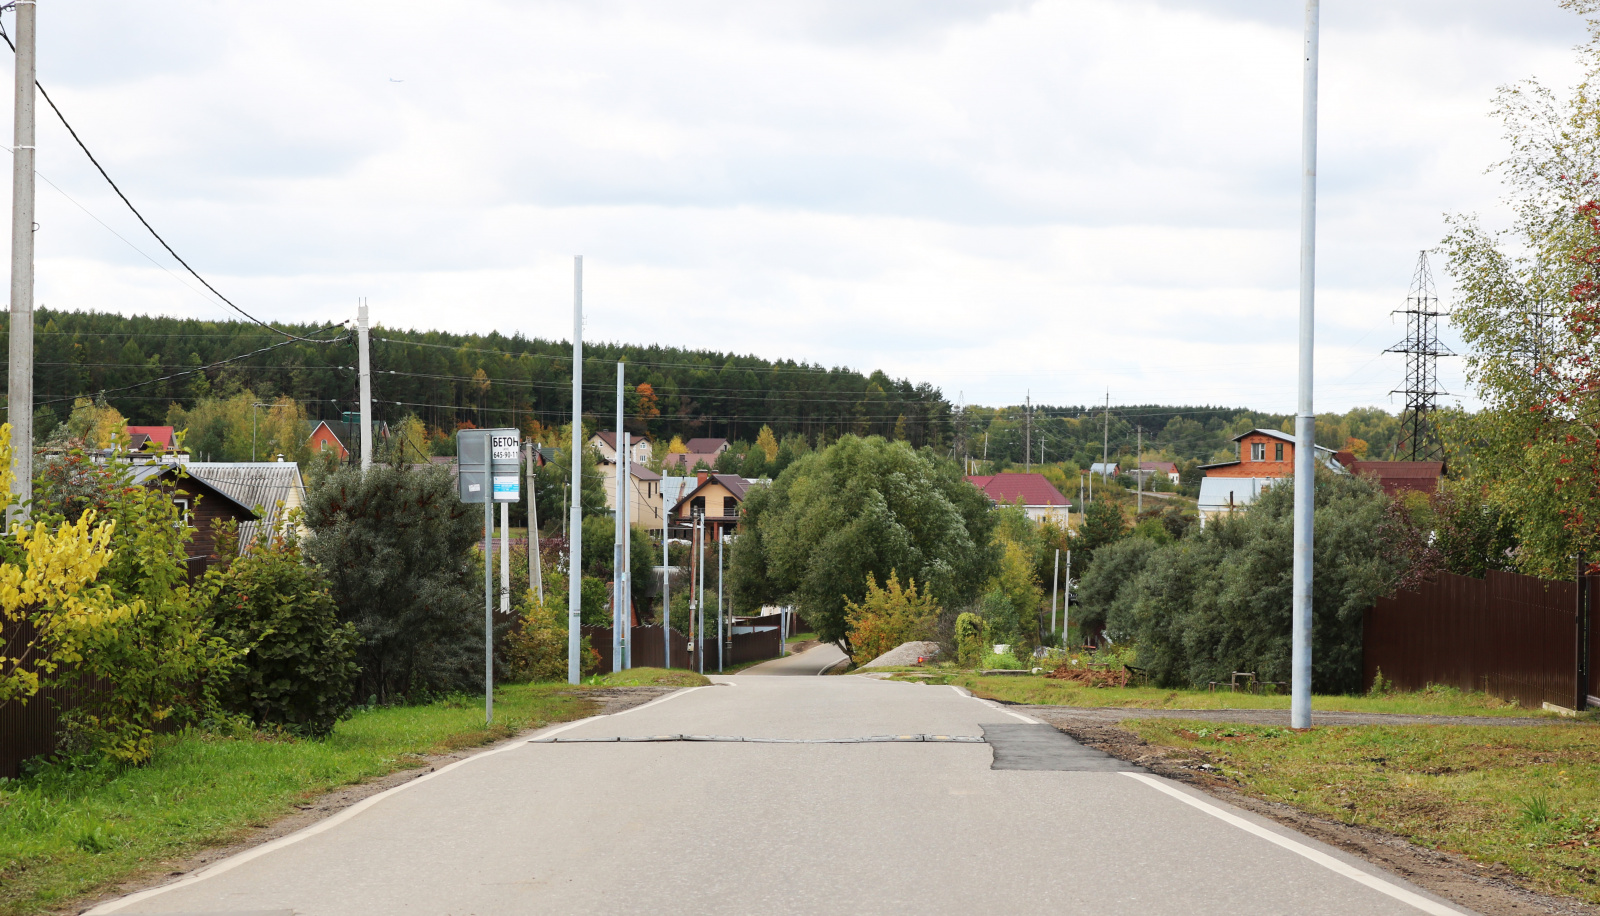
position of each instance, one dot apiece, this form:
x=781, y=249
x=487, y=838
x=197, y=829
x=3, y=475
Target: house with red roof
x=1148, y=469
x=151, y=438
x=1040, y=499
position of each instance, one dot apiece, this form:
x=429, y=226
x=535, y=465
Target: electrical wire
x=146, y=223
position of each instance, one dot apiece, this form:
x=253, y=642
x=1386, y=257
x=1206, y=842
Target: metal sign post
x=489, y=473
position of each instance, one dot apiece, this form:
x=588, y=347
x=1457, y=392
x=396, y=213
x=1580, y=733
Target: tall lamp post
x=1305, y=448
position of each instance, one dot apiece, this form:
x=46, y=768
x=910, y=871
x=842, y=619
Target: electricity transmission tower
x=1422, y=349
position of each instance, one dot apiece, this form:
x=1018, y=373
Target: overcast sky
x=990, y=196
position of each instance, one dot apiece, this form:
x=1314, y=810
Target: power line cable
x=146, y=223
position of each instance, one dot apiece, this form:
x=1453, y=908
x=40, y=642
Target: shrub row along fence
x=1520, y=638
x=751, y=639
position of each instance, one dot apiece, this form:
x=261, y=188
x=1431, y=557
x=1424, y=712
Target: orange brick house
x=1266, y=456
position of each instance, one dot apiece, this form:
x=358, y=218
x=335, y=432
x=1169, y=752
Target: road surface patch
x=1041, y=747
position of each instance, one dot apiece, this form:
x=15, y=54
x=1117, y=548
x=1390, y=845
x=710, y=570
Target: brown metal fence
x=754, y=639
x=1513, y=636
x=31, y=727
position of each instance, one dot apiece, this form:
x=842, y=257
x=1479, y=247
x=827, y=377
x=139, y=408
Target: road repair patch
x=1042, y=747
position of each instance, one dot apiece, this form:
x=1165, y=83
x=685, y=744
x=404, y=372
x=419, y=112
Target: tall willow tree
x=1527, y=304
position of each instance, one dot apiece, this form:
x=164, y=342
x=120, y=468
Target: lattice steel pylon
x=1422, y=350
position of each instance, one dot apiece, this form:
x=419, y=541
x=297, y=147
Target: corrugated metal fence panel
x=765, y=643
x=1594, y=638
x=31, y=728
x=1509, y=635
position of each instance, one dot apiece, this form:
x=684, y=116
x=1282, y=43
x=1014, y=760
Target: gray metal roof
x=142, y=474
x=273, y=486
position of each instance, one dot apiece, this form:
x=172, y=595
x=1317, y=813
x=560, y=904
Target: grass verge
x=1527, y=799
x=650, y=677
x=1043, y=691
x=68, y=833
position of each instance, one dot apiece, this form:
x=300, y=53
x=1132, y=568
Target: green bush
x=1006, y=662
x=298, y=666
x=396, y=546
x=972, y=639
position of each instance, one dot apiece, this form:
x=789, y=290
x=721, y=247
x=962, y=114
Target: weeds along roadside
x=67, y=832
x=1525, y=799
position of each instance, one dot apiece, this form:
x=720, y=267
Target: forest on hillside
x=237, y=378
x=143, y=366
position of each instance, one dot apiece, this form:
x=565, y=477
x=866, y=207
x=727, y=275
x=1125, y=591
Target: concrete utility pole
x=666, y=579
x=721, y=640
x=19, y=400
x=1027, y=458
x=505, y=558
x=1066, y=609
x=535, y=556
x=1105, y=439
x=575, y=458
x=619, y=519
x=1138, y=475
x=626, y=467
x=1055, y=588
x=1305, y=447
x=364, y=353
x=701, y=588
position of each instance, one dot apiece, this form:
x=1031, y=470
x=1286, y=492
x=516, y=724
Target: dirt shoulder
x=609, y=700
x=1490, y=890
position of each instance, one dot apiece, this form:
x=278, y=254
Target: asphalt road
x=1027, y=822
x=813, y=661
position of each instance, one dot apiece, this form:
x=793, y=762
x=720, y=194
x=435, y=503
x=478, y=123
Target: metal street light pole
x=575, y=458
x=1305, y=449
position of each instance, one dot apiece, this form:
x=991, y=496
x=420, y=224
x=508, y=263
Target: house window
x=183, y=514
x=698, y=504
x=1277, y=452
x=1258, y=451
x=730, y=506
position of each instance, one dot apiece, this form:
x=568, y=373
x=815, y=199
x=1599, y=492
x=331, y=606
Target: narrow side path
x=813, y=661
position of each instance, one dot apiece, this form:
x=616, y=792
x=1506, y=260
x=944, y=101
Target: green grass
x=799, y=637
x=1043, y=691
x=1524, y=798
x=649, y=677
x=67, y=833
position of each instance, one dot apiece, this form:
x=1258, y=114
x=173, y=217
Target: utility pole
x=364, y=353
x=666, y=581
x=1055, y=587
x=619, y=519
x=535, y=555
x=720, y=638
x=1305, y=449
x=1138, y=475
x=575, y=459
x=626, y=467
x=1105, y=439
x=1066, y=609
x=19, y=400
x=505, y=557
x=700, y=588
x=1027, y=461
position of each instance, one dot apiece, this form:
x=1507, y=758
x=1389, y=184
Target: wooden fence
x=1517, y=637
x=31, y=727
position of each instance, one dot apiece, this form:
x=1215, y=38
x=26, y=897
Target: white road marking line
x=1321, y=858
x=232, y=862
x=1015, y=715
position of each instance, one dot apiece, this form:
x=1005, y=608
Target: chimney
x=700, y=477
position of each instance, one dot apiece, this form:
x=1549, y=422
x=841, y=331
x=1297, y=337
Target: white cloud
x=992, y=197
